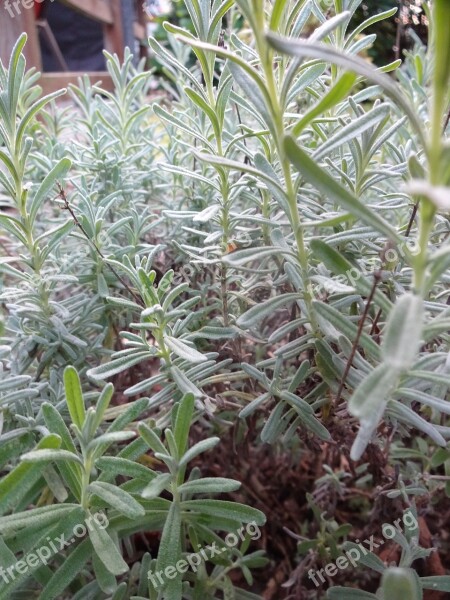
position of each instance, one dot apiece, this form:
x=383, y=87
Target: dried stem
x=66, y=206
x=376, y=279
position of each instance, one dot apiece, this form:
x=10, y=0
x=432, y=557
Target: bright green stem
x=266, y=55
x=441, y=80
x=165, y=352
x=225, y=223
x=85, y=482
x=427, y=213
x=225, y=213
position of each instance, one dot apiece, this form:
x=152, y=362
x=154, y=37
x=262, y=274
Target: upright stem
x=441, y=78
x=266, y=55
x=85, y=481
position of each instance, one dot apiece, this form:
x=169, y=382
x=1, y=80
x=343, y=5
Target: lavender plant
x=262, y=249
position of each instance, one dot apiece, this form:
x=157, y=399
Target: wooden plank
x=139, y=31
x=99, y=10
x=51, y=82
x=11, y=27
x=49, y=36
x=114, y=38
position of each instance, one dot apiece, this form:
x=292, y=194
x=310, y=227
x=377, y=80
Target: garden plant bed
x=224, y=318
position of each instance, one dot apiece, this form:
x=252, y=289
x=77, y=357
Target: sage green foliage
x=86, y=481
x=401, y=581
x=224, y=237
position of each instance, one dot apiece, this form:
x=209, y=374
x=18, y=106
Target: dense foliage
x=260, y=253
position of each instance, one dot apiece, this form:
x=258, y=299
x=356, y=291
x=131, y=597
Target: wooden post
x=114, y=38
x=99, y=10
x=15, y=21
x=10, y=29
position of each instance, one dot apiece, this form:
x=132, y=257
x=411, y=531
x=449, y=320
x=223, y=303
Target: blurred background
x=67, y=37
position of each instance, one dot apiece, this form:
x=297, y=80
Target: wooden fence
x=106, y=12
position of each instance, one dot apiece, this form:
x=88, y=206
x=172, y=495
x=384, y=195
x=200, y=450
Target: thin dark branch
x=447, y=121
x=375, y=321
x=376, y=279
x=411, y=220
x=246, y=158
x=62, y=195
x=398, y=37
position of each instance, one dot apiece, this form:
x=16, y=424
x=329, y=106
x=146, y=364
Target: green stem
x=441, y=78
x=266, y=55
x=165, y=352
x=85, y=482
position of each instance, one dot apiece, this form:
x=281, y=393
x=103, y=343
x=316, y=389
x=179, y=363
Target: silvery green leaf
x=403, y=332
x=353, y=130
x=345, y=593
x=111, y=437
x=72, y=565
x=156, y=486
x=302, y=48
x=371, y=396
x=401, y=582
x=117, y=499
x=183, y=420
x=252, y=92
x=224, y=53
x=306, y=78
x=42, y=517
x=170, y=550
x=370, y=560
x=273, y=426
x=183, y=382
x=151, y=438
x=189, y=174
x=407, y=415
x=415, y=395
x=331, y=188
x=12, y=382
x=54, y=482
x=439, y=262
x=118, y=365
x=371, y=21
x=47, y=455
x=210, y=485
x=224, y=508
x=183, y=350
x=328, y=26
x=369, y=402
x=123, y=302
x=207, y=214
x=58, y=172
x=259, y=311
x=210, y=332
x=241, y=168
x=122, y=466
x=106, y=549
x=343, y=324
x=254, y=405
x=246, y=255
x=335, y=94
x=166, y=116
x=106, y=581
x=197, y=449
x=439, y=583
x=74, y=396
